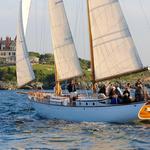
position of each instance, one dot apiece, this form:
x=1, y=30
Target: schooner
x=113, y=54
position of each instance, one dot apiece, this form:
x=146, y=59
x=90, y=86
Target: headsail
x=113, y=48
x=23, y=67
x=66, y=59
x=25, y=13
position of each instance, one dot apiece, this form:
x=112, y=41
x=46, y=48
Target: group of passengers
x=116, y=94
x=119, y=96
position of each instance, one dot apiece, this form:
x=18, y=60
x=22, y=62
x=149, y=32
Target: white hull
x=111, y=113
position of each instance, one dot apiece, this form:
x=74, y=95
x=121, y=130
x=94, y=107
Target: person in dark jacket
x=126, y=96
x=71, y=87
x=102, y=89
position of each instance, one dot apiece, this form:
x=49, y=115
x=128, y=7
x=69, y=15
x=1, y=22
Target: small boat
x=144, y=113
x=113, y=54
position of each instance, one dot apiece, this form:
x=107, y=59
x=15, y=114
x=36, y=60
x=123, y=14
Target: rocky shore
x=7, y=86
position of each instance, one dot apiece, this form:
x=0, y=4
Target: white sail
x=25, y=13
x=23, y=67
x=66, y=59
x=114, y=50
x=76, y=11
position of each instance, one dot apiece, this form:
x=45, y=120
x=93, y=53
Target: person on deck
x=119, y=91
x=102, y=89
x=71, y=87
x=139, y=93
x=108, y=88
x=126, y=96
x=73, y=94
x=113, y=96
x=128, y=86
x=138, y=82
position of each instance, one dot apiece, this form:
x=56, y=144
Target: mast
x=91, y=49
x=67, y=64
x=58, y=89
x=114, y=52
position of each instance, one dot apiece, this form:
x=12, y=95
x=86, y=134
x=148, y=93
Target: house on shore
x=7, y=51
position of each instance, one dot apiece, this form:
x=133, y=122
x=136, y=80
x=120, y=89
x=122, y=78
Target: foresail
x=114, y=50
x=23, y=67
x=66, y=59
x=25, y=13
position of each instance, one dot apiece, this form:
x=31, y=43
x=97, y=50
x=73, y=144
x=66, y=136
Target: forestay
x=25, y=13
x=66, y=59
x=24, y=69
x=114, y=50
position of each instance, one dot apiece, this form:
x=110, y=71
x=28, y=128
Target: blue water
x=21, y=128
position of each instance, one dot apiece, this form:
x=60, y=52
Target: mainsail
x=66, y=59
x=23, y=67
x=25, y=13
x=114, y=52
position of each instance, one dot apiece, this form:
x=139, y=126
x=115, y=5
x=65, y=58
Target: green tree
x=34, y=54
x=47, y=59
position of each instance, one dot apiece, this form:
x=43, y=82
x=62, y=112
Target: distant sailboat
x=113, y=54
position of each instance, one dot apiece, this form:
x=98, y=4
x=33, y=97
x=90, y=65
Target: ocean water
x=21, y=128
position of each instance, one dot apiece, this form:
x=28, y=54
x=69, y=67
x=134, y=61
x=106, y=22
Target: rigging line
x=146, y=17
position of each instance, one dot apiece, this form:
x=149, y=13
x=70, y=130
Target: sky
x=137, y=14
